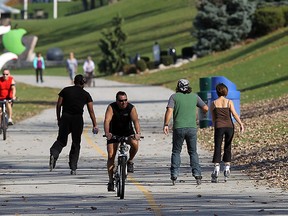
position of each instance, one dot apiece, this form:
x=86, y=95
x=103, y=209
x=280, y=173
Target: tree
x=221, y=24
x=85, y=5
x=92, y=4
x=101, y=3
x=264, y=3
x=113, y=55
x=112, y=1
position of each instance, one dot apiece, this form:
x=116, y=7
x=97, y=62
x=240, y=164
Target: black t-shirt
x=74, y=99
x=121, y=123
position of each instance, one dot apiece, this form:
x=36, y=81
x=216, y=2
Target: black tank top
x=223, y=117
x=121, y=123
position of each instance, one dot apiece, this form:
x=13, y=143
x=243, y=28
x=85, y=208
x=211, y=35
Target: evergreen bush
x=167, y=60
x=129, y=69
x=151, y=65
x=141, y=65
x=187, y=52
x=163, y=53
x=267, y=20
x=145, y=58
x=112, y=47
x=220, y=24
x=285, y=14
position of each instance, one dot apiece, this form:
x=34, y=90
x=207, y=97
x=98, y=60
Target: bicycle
x=120, y=169
x=4, y=118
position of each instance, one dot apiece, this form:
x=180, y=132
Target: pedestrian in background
x=88, y=68
x=71, y=66
x=221, y=110
x=71, y=102
x=39, y=66
x=182, y=106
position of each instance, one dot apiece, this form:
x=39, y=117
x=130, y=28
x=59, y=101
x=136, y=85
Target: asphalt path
x=29, y=188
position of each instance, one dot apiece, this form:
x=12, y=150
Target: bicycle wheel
x=4, y=125
x=122, y=177
x=117, y=183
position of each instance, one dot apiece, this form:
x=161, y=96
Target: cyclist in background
x=7, y=91
x=89, y=67
x=118, y=121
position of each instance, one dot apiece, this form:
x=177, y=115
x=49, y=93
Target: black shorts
x=112, y=141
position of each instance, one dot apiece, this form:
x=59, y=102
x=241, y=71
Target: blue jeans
x=190, y=136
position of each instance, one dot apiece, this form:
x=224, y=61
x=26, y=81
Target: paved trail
x=28, y=188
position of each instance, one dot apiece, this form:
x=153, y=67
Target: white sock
x=217, y=168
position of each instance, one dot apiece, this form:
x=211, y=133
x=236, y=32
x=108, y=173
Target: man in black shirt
x=118, y=121
x=71, y=100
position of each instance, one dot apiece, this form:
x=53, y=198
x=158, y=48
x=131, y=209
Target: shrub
x=151, y=65
x=220, y=24
x=267, y=20
x=141, y=65
x=187, y=52
x=285, y=14
x=167, y=60
x=145, y=58
x=129, y=69
x=163, y=53
x=112, y=49
x=102, y=66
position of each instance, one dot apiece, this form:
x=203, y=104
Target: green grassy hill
x=259, y=69
x=167, y=21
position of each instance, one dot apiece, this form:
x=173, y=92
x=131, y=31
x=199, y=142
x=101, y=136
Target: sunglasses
x=122, y=100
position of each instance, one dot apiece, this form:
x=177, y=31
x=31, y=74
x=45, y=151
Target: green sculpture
x=12, y=41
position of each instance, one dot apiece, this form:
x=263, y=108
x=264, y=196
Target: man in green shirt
x=182, y=106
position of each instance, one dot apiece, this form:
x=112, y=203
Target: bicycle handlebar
x=122, y=138
x=6, y=100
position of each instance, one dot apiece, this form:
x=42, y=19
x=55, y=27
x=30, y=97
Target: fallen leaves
x=261, y=151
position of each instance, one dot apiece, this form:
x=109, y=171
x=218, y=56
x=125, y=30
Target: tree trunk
x=92, y=4
x=85, y=5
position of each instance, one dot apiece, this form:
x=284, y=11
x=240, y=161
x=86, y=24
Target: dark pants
x=219, y=134
x=69, y=124
x=39, y=72
x=89, y=78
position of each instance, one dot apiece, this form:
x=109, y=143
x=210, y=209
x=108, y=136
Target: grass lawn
x=258, y=69
x=167, y=21
x=31, y=100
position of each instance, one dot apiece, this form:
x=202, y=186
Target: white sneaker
x=215, y=174
x=10, y=122
x=226, y=172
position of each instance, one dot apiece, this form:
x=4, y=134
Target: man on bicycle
x=7, y=91
x=118, y=121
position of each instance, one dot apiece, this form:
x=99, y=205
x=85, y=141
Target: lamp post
x=25, y=9
x=55, y=9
